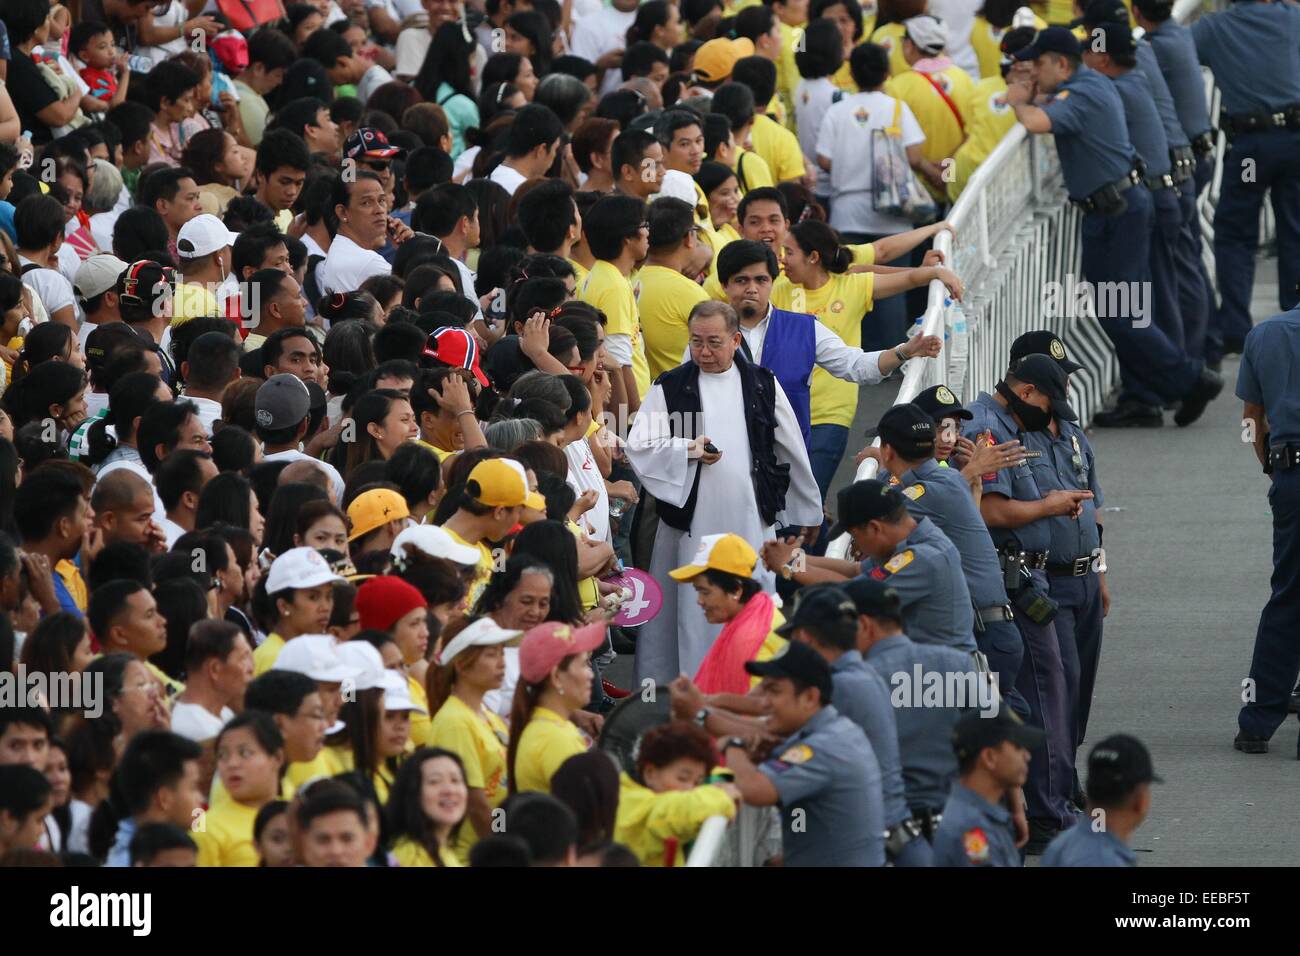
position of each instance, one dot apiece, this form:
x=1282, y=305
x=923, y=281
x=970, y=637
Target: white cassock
x=679, y=636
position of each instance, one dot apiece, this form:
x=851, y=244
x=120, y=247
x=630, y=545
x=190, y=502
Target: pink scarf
x=723, y=669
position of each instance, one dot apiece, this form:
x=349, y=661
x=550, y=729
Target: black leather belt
x=1071, y=569
x=1288, y=117
x=1033, y=560
x=998, y=612
x=1284, y=457
x=1108, y=196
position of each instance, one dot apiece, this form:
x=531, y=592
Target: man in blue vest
x=791, y=344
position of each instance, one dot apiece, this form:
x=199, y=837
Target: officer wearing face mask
x=1076, y=563
x=1018, y=511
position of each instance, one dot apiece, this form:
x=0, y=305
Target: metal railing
x=1015, y=233
x=708, y=842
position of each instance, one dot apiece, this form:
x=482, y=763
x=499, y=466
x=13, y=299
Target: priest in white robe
x=717, y=399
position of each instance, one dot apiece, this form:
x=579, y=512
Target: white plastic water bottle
x=958, y=347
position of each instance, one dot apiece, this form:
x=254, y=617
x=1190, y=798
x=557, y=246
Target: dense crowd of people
x=354, y=361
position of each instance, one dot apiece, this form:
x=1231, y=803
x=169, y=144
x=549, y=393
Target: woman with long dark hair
x=445, y=78
x=427, y=807
x=528, y=33
x=383, y=421
x=228, y=498
x=282, y=518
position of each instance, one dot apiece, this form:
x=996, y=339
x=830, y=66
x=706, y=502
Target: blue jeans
x=826, y=444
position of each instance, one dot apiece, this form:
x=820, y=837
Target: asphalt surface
x=1188, y=541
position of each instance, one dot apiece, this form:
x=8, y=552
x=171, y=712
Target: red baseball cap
x=457, y=348
x=547, y=644
x=384, y=600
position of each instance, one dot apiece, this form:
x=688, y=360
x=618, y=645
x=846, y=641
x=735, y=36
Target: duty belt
x=1157, y=183
x=1184, y=164
x=1094, y=202
x=1033, y=560
x=928, y=820
x=1284, y=457
x=1072, y=569
x=1288, y=117
x=998, y=612
x=900, y=835
x=1203, y=145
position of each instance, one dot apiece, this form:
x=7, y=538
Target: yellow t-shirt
x=579, y=272
x=170, y=685
x=325, y=764
x=482, y=572
x=843, y=78
x=890, y=36
x=193, y=302
x=864, y=254
x=758, y=174
x=943, y=133
x=990, y=120
x=664, y=299
x=610, y=291
x=227, y=835
x=547, y=741
x=409, y=853
x=382, y=779
x=840, y=304
x=787, y=70
x=442, y=454
x=421, y=724
x=265, y=655
x=480, y=740
x=985, y=39
x=647, y=820
x=778, y=147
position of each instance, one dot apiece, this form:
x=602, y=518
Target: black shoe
x=1130, y=415
x=1041, y=833
x=621, y=641
x=1249, y=744
x=1293, y=702
x=1206, y=390
x=1233, y=346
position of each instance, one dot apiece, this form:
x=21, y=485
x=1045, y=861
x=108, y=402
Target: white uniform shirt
x=347, y=265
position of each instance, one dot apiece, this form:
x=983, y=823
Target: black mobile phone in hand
x=711, y=448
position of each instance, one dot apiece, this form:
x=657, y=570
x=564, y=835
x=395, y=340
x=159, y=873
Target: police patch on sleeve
x=899, y=561
x=799, y=753
x=915, y=491
x=976, y=845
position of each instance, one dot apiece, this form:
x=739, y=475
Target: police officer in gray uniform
x=924, y=730
x=1176, y=56
x=823, y=774
x=1016, y=510
x=915, y=557
x=1119, y=798
x=826, y=619
x=1076, y=568
x=1253, y=49
x=941, y=494
x=979, y=825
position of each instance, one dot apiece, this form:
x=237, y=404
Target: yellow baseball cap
x=720, y=552
x=715, y=60
x=375, y=508
x=502, y=483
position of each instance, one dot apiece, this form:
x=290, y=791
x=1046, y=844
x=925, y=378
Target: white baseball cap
x=365, y=659
x=299, y=568
x=397, y=692
x=315, y=655
x=436, y=542
x=482, y=633
x=98, y=274
x=202, y=236
x=930, y=34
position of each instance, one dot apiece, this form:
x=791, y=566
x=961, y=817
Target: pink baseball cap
x=547, y=644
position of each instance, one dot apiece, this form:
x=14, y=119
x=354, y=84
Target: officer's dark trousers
x=1256, y=162
x=1043, y=684
x=1005, y=649
x=1078, y=627
x=1195, y=293
x=1276, y=661
x=1116, y=249
x=1164, y=306
x=1213, y=332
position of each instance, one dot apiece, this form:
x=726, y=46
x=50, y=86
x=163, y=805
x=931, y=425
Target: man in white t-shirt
x=218, y=667
x=38, y=225
x=211, y=364
x=96, y=279
x=845, y=140
x=282, y=412
x=531, y=145
x=604, y=31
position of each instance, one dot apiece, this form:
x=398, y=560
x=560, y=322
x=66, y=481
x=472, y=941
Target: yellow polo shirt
x=787, y=70
x=442, y=454
x=991, y=118
x=778, y=147
x=409, y=853
x=579, y=272
x=757, y=173
x=986, y=40
x=267, y=652
x=546, y=742
x=943, y=133
x=664, y=299
x=610, y=291
x=482, y=572
x=840, y=304
x=325, y=764
x=421, y=724
x=480, y=740
x=647, y=821
x=890, y=36
x=227, y=835
x=193, y=302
